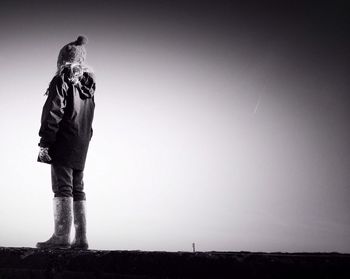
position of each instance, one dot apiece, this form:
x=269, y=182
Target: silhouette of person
x=65, y=134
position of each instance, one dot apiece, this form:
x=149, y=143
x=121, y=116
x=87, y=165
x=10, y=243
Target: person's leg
x=62, y=181
x=62, y=185
x=79, y=211
x=78, y=185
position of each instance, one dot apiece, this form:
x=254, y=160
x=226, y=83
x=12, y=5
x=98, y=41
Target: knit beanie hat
x=73, y=52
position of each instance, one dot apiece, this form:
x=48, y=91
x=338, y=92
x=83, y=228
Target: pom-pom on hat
x=73, y=52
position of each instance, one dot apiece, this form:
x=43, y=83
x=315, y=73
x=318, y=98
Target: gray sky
x=221, y=124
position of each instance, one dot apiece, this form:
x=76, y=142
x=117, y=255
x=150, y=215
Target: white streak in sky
x=257, y=105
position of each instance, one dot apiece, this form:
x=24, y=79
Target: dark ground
x=34, y=263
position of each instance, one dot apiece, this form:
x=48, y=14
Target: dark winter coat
x=66, y=121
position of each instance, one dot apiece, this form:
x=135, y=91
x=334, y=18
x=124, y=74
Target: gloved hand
x=44, y=155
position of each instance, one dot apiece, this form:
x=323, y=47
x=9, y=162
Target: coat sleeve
x=53, y=112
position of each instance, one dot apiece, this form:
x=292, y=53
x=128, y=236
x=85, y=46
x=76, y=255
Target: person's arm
x=88, y=87
x=53, y=112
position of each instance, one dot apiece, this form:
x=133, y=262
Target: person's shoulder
x=64, y=75
x=59, y=80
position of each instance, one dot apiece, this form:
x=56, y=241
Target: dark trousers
x=67, y=182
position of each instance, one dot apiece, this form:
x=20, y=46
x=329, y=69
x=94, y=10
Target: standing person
x=65, y=134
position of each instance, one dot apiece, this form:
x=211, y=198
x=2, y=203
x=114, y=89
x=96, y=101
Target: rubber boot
x=62, y=208
x=80, y=240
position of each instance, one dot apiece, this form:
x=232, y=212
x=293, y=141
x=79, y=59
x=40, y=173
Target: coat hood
x=81, y=78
